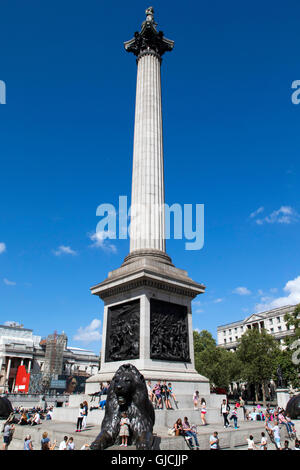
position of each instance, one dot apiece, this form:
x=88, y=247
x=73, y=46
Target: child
x=196, y=399
x=124, y=430
x=263, y=442
x=234, y=417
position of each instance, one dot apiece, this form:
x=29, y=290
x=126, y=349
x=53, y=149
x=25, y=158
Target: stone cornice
x=144, y=279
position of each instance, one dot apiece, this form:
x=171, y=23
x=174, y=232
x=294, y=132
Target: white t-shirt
x=224, y=408
x=62, y=445
x=263, y=441
x=251, y=444
x=37, y=419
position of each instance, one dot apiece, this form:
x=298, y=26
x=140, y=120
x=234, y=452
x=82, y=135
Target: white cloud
x=241, y=291
x=99, y=240
x=2, y=247
x=284, y=215
x=198, y=310
x=217, y=301
x=258, y=211
x=292, y=288
x=64, y=250
x=89, y=333
x=9, y=283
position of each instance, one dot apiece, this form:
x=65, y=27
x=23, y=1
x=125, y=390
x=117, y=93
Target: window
x=224, y=332
x=236, y=338
x=235, y=330
x=230, y=339
x=272, y=330
x=279, y=328
x=230, y=331
x=278, y=319
x=224, y=340
x=271, y=321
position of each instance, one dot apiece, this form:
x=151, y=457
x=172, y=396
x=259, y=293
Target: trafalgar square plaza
x=164, y=183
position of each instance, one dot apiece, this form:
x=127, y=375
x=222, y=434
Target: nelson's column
x=147, y=301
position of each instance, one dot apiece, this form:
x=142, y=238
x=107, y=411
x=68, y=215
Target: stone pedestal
x=283, y=397
x=148, y=322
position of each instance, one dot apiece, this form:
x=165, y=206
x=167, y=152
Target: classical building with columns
x=20, y=347
x=271, y=320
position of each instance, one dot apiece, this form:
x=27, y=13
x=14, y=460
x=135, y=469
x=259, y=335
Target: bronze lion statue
x=127, y=392
x=5, y=407
x=293, y=407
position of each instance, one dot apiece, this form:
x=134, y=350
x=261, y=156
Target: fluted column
x=147, y=221
x=147, y=227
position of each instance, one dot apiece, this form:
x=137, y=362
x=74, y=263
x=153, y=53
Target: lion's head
x=125, y=383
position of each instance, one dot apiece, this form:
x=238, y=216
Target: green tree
x=290, y=370
x=220, y=366
x=258, y=353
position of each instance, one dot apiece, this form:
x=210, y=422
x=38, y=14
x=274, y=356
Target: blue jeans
x=192, y=434
x=234, y=420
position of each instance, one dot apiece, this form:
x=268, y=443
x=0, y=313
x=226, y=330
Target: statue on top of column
x=150, y=15
x=149, y=38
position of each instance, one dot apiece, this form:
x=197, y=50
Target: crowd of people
x=161, y=395
x=274, y=419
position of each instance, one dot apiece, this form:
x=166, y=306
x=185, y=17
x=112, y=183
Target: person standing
x=8, y=432
x=196, y=400
x=79, y=418
x=203, y=412
x=157, y=393
x=276, y=434
x=242, y=405
x=124, y=429
x=234, y=416
x=263, y=442
x=225, y=408
x=85, y=414
x=165, y=395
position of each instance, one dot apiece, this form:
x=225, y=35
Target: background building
x=272, y=321
x=22, y=352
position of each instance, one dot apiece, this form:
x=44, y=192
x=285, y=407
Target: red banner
x=22, y=380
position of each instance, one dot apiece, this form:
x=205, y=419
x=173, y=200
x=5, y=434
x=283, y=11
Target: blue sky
x=231, y=142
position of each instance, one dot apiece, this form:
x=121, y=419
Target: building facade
x=272, y=321
x=51, y=356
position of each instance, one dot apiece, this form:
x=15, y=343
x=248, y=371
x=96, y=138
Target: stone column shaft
x=147, y=221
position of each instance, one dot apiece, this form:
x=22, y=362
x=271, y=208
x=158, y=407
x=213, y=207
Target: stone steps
x=229, y=438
